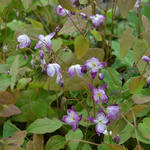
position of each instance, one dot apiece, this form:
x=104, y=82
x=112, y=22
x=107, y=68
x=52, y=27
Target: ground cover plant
x=74, y=75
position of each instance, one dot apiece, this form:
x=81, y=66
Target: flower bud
x=41, y=53
x=117, y=139
x=148, y=81
x=101, y=76
x=146, y=59
x=5, y=48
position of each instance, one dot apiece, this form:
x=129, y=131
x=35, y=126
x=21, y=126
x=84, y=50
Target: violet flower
x=117, y=139
x=24, y=41
x=148, y=81
x=62, y=11
x=101, y=122
x=137, y=4
x=99, y=93
x=146, y=59
x=41, y=53
x=113, y=112
x=59, y=80
x=45, y=41
x=94, y=65
x=53, y=69
x=75, y=69
x=97, y=20
x=5, y=48
x=101, y=76
x=72, y=118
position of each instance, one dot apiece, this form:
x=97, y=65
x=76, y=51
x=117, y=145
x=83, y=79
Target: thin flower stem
x=136, y=134
x=83, y=141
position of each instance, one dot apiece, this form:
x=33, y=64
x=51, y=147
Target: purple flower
x=75, y=68
x=117, y=139
x=146, y=59
x=137, y=4
x=97, y=20
x=101, y=122
x=5, y=48
x=83, y=15
x=59, y=80
x=94, y=65
x=24, y=41
x=43, y=62
x=113, y=112
x=99, y=93
x=72, y=118
x=41, y=53
x=101, y=76
x=53, y=69
x=62, y=11
x=84, y=69
x=148, y=81
x=45, y=41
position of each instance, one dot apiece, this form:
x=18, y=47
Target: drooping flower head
x=45, y=41
x=59, y=80
x=101, y=122
x=101, y=76
x=5, y=48
x=24, y=41
x=113, y=112
x=97, y=20
x=146, y=59
x=137, y=4
x=72, y=118
x=53, y=69
x=75, y=69
x=117, y=139
x=41, y=53
x=94, y=65
x=148, y=81
x=62, y=11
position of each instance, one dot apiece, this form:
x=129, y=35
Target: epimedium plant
x=74, y=74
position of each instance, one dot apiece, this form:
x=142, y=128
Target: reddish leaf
x=10, y=110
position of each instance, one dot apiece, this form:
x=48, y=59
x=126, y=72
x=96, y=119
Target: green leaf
x=71, y=135
x=125, y=134
x=144, y=128
x=139, y=50
x=35, y=23
x=86, y=147
x=136, y=84
x=9, y=129
x=81, y=46
x=56, y=44
x=45, y=125
x=97, y=35
x=23, y=82
x=56, y=142
x=3, y=68
x=14, y=70
x=5, y=81
x=38, y=109
x=126, y=42
x=67, y=4
x=112, y=77
x=125, y=6
x=27, y=3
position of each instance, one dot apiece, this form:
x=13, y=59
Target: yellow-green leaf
x=67, y=4
x=126, y=42
x=136, y=83
x=97, y=35
x=81, y=46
